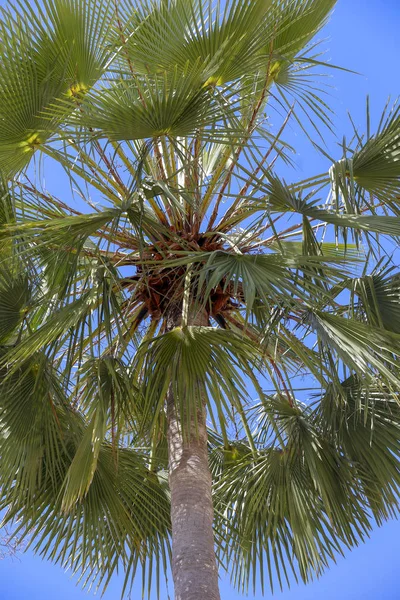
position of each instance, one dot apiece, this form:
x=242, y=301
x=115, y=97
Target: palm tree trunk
x=194, y=566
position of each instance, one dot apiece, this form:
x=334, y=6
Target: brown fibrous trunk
x=194, y=566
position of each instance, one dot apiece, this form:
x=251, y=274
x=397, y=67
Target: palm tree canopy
x=157, y=112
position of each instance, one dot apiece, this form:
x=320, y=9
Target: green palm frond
x=174, y=104
x=204, y=364
x=281, y=197
x=297, y=23
x=190, y=33
x=15, y=295
x=75, y=226
x=51, y=52
x=379, y=296
x=6, y=205
x=108, y=401
x=371, y=171
x=301, y=91
x=368, y=223
x=122, y=522
x=311, y=482
x=55, y=329
x=364, y=348
x=41, y=438
x=269, y=277
x=32, y=410
x=283, y=528
x=362, y=421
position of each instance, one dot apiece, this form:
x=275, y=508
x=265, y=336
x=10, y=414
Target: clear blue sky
x=363, y=37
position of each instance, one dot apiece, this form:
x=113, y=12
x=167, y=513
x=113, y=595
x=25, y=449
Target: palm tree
x=153, y=340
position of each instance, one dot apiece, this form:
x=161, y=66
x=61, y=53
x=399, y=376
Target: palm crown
x=194, y=274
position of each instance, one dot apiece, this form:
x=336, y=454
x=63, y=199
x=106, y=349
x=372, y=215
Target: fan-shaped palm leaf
x=50, y=51
x=373, y=166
